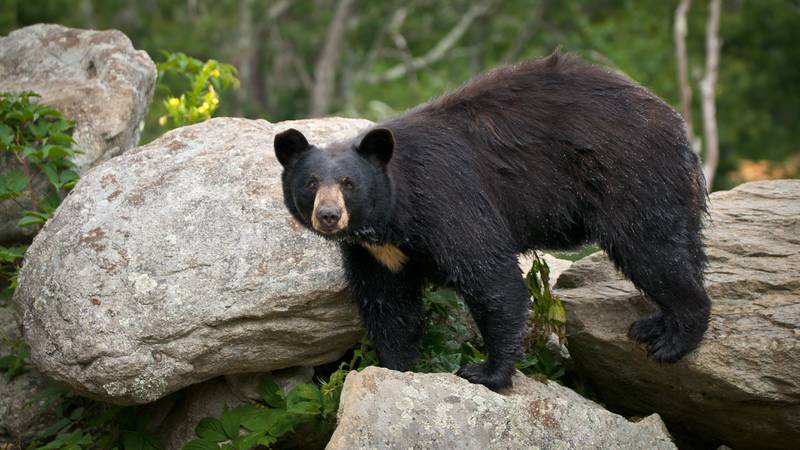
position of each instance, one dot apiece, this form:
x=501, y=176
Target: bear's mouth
x=336, y=235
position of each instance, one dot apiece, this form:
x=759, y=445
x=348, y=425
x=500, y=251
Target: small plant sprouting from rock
x=201, y=98
x=547, y=324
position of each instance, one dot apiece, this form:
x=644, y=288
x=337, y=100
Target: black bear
x=550, y=153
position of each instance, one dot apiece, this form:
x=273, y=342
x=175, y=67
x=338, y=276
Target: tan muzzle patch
x=330, y=195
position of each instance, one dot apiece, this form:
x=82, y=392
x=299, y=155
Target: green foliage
x=444, y=348
x=16, y=356
x=34, y=140
x=278, y=413
x=200, y=99
x=87, y=424
x=37, y=139
x=363, y=357
x=10, y=260
x=548, y=312
x=262, y=424
x=547, y=318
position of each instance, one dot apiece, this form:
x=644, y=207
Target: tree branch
x=438, y=51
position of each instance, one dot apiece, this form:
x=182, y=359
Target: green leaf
x=39, y=129
x=13, y=184
x=68, y=178
x=272, y=393
x=6, y=135
x=12, y=254
x=61, y=138
x=132, y=441
x=231, y=422
x=31, y=218
x=200, y=444
x=76, y=414
x=55, y=429
x=250, y=440
x=305, y=399
x=276, y=422
x=211, y=429
x=138, y=440
x=51, y=171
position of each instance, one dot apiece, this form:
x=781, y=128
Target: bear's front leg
x=390, y=303
x=499, y=302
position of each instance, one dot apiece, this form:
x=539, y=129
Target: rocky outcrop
x=96, y=78
x=178, y=262
x=742, y=386
x=381, y=408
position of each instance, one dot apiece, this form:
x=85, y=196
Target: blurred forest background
x=372, y=59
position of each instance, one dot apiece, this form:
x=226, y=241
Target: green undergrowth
x=448, y=344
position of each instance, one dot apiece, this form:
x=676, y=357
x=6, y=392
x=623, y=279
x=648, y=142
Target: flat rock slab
x=385, y=409
x=96, y=78
x=178, y=262
x=742, y=386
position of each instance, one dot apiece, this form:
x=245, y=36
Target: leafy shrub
x=200, y=99
x=35, y=140
x=36, y=137
x=88, y=424
x=279, y=413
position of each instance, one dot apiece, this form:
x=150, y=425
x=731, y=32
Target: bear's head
x=339, y=191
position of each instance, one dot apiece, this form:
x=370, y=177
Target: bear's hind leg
x=671, y=274
x=499, y=303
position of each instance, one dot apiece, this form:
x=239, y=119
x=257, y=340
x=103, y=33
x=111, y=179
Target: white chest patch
x=388, y=255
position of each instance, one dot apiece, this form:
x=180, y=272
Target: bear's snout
x=330, y=213
x=328, y=217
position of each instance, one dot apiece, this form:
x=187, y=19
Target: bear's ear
x=378, y=144
x=289, y=144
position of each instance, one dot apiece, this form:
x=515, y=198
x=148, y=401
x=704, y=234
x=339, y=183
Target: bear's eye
x=313, y=183
x=346, y=183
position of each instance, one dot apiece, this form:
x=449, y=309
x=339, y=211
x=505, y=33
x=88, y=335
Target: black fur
x=551, y=153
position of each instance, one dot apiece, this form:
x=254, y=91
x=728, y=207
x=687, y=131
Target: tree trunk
x=88, y=14
x=680, y=32
x=246, y=54
x=708, y=90
x=325, y=71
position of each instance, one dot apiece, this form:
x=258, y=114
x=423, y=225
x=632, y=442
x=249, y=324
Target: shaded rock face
x=23, y=413
x=742, y=386
x=382, y=408
x=178, y=262
x=96, y=78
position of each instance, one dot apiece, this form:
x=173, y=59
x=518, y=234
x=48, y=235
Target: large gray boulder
x=96, y=78
x=742, y=386
x=385, y=409
x=178, y=262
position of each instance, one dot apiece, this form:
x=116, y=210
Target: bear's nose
x=328, y=216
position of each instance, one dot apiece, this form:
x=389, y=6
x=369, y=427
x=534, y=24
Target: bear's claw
x=664, y=338
x=481, y=373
